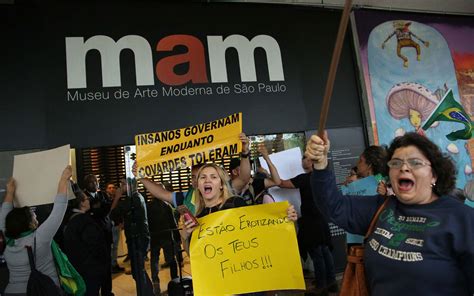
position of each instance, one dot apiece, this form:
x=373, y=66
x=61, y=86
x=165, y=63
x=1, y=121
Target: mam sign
x=195, y=56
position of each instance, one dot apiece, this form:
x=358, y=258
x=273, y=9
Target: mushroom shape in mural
x=413, y=101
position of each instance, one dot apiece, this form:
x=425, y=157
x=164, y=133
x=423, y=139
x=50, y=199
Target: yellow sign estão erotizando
x=175, y=149
x=245, y=250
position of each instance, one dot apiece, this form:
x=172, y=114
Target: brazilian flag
x=450, y=110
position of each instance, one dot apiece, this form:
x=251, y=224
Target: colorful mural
x=410, y=61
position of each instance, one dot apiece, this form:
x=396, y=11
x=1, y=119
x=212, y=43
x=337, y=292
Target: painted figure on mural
x=404, y=39
x=396, y=106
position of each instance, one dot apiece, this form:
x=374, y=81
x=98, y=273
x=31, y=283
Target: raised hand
x=67, y=173
x=245, y=143
x=262, y=149
x=134, y=169
x=291, y=213
x=64, y=180
x=317, y=150
x=382, y=188
x=11, y=188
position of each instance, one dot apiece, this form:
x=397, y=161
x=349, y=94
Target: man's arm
x=244, y=177
x=287, y=184
x=274, y=179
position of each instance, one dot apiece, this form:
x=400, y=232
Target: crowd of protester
x=417, y=178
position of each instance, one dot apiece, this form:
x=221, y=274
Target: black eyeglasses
x=412, y=163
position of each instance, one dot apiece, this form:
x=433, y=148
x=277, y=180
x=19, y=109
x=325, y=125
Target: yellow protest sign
x=174, y=149
x=245, y=250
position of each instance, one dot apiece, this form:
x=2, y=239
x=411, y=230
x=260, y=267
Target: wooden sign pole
x=333, y=67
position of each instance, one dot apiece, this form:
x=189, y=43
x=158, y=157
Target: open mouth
x=207, y=189
x=405, y=184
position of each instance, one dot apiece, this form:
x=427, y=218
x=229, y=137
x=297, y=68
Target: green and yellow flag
x=450, y=110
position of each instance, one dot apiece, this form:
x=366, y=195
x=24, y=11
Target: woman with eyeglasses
x=423, y=240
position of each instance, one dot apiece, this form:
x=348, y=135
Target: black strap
x=253, y=198
x=31, y=255
x=30, y=258
x=3, y=242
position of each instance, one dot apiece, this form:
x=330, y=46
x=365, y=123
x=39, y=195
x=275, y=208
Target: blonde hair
x=226, y=190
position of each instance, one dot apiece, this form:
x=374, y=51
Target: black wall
x=33, y=100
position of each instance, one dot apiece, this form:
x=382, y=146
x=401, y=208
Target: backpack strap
x=263, y=192
x=74, y=215
x=259, y=198
x=69, y=220
x=30, y=258
x=252, y=193
x=34, y=249
x=3, y=242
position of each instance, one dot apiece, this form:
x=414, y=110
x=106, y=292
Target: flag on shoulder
x=450, y=110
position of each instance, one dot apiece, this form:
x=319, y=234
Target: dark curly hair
x=375, y=156
x=75, y=203
x=18, y=221
x=441, y=164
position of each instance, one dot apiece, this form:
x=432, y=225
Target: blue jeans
x=167, y=246
x=323, y=266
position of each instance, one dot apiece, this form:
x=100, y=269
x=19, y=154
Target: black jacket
x=160, y=221
x=85, y=245
x=100, y=210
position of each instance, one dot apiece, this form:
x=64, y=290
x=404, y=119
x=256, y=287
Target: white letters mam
x=109, y=50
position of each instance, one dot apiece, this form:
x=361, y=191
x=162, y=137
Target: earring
x=433, y=184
